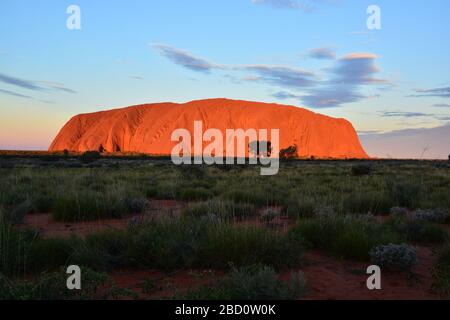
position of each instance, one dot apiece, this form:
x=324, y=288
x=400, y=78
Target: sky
x=316, y=54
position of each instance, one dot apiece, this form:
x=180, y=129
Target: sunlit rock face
x=148, y=128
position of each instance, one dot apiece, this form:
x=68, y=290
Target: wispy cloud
x=414, y=115
x=443, y=92
x=404, y=114
x=57, y=86
x=358, y=68
x=344, y=79
x=185, y=59
x=365, y=132
x=282, y=76
x=32, y=85
x=136, y=77
x=18, y=82
x=322, y=53
x=284, y=95
x=15, y=94
x=347, y=76
x=441, y=105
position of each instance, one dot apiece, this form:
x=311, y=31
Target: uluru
x=147, y=128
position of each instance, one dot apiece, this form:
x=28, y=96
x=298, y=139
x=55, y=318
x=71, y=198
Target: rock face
x=148, y=128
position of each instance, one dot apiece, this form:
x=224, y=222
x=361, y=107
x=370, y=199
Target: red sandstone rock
x=148, y=128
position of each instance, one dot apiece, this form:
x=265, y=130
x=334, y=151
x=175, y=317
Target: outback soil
x=328, y=278
x=48, y=228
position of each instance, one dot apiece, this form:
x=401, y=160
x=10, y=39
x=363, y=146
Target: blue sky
x=316, y=54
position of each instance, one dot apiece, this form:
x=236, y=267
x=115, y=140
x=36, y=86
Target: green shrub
x=52, y=286
x=137, y=205
x=269, y=214
x=399, y=212
x=254, y=196
x=205, y=242
x=300, y=207
x=403, y=193
x=416, y=230
x=441, y=273
x=194, y=194
x=166, y=244
x=47, y=254
x=17, y=213
x=350, y=237
x=42, y=203
x=244, y=245
x=102, y=251
x=221, y=208
x=13, y=249
x=256, y=282
x=84, y=206
x=365, y=202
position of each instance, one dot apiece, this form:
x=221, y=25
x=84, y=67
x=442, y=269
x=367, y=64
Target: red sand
x=148, y=128
x=332, y=279
x=327, y=279
x=49, y=228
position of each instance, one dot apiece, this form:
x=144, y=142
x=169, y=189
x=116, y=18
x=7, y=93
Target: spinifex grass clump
x=24, y=252
x=269, y=215
x=243, y=245
x=174, y=243
x=89, y=205
x=404, y=193
x=255, y=282
x=350, y=237
x=194, y=194
x=399, y=212
x=221, y=208
x=13, y=248
x=52, y=286
x=417, y=230
x=441, y=272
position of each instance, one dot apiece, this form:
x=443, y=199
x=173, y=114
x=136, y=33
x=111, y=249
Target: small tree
x=289, y=153
x=260, y=148
x=66, y=153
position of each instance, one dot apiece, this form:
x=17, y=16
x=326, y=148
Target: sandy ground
x=49, y=228
x=328, y=278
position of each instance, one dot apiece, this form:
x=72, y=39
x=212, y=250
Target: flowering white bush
x=432, y=215
x=394, y=256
